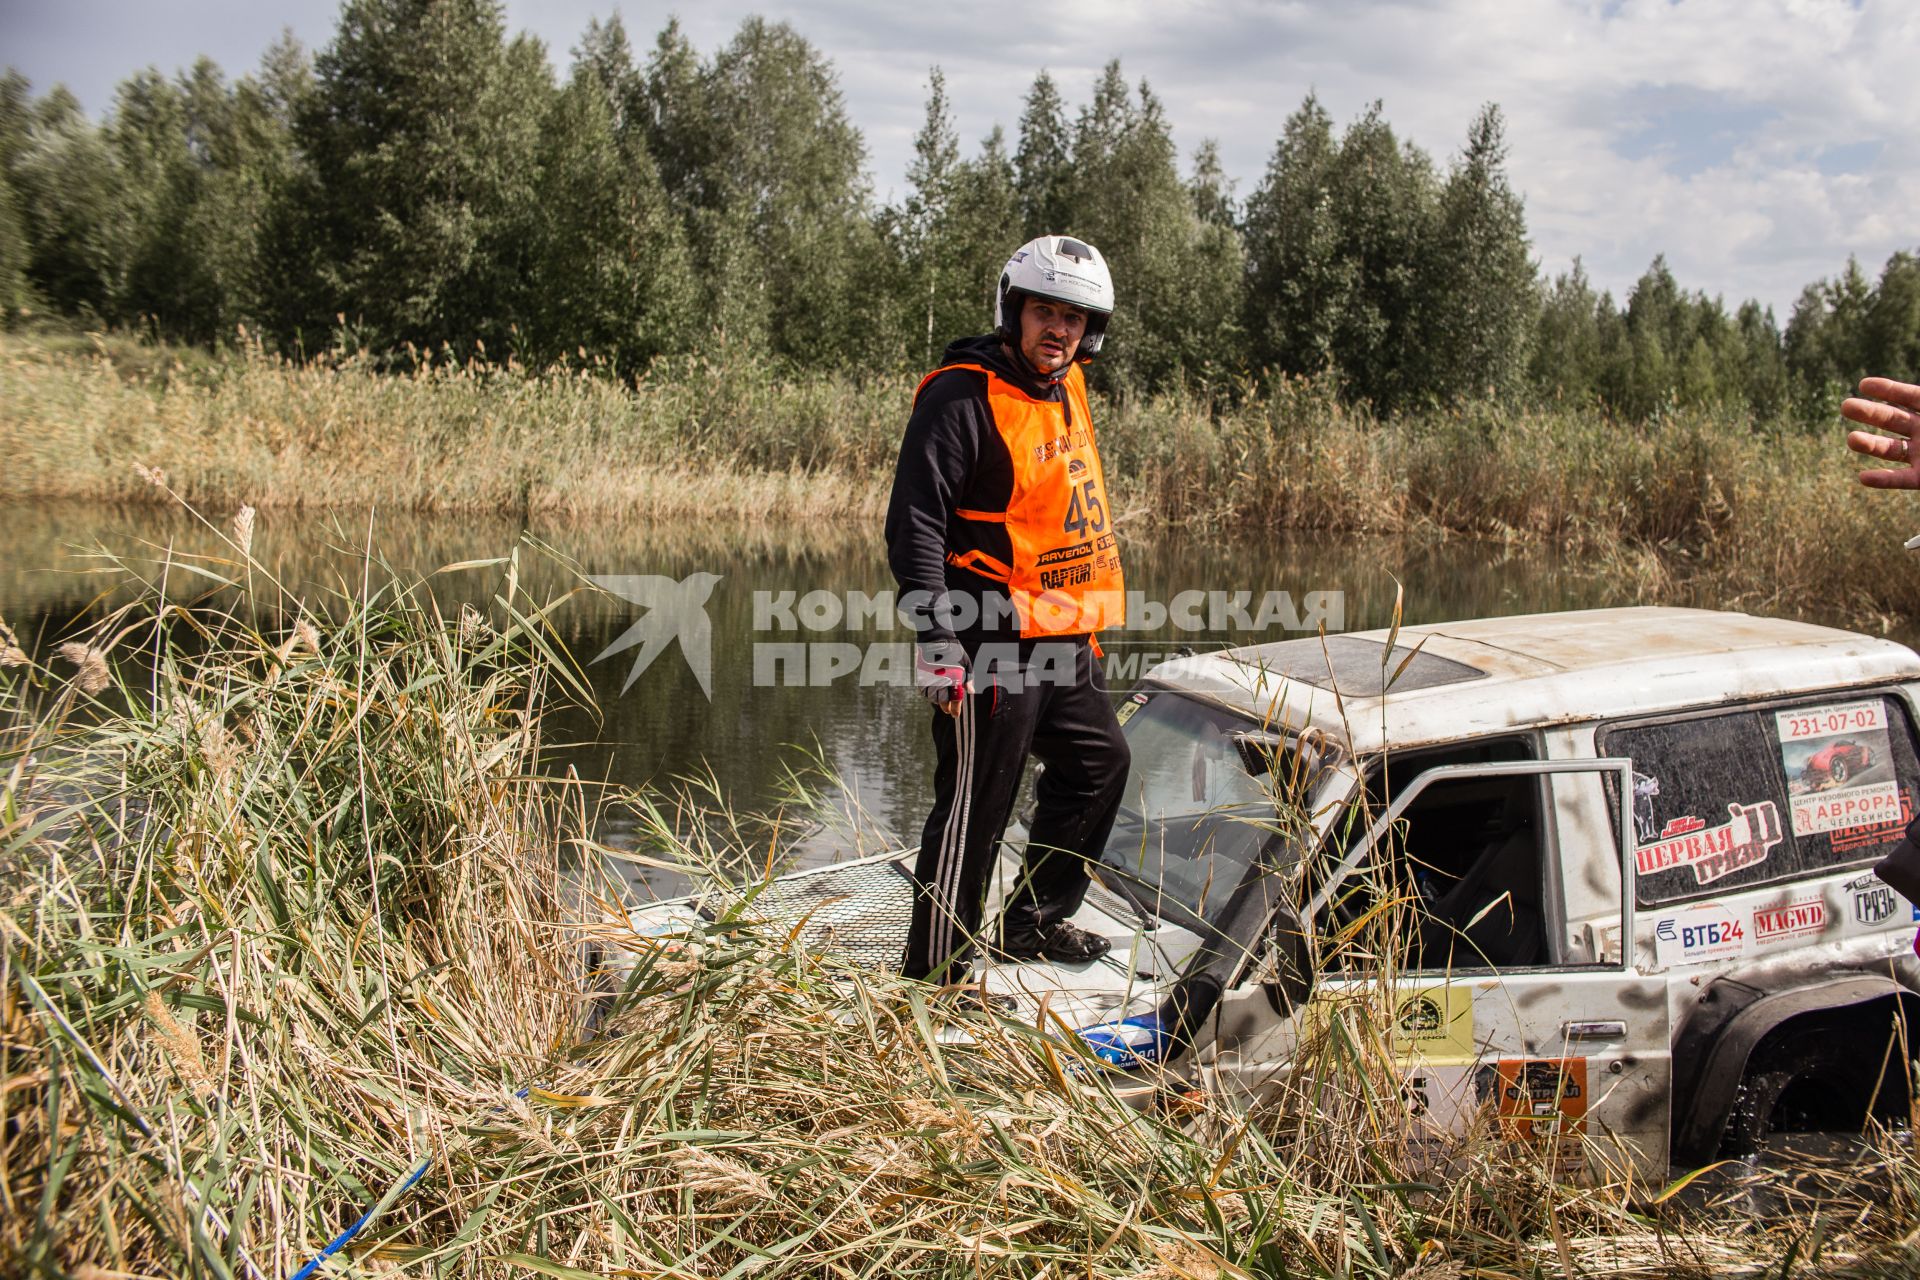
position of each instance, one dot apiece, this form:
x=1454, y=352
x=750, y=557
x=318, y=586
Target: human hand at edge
x=1892, y=407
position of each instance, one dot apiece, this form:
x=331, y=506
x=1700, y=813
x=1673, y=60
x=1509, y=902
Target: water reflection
x=875, y=738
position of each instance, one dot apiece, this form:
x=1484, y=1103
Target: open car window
x=1464, y=864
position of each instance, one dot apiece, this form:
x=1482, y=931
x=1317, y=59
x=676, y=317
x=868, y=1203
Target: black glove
x=1901, y=867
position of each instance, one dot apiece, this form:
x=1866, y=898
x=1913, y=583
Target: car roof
x=1450, y=680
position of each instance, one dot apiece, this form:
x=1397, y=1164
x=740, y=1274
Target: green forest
x=425, y=184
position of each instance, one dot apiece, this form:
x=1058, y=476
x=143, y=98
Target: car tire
x=1839, y=771
x=1806, y=1079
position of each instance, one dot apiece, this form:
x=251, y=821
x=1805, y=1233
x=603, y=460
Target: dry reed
x=1692, y=505
x=249, y=994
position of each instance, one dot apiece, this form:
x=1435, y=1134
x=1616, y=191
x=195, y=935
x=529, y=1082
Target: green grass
x=291, y=909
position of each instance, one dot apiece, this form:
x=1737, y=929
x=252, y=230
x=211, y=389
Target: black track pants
x=1047, y=698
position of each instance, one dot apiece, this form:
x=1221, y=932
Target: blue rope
x=340, y=1241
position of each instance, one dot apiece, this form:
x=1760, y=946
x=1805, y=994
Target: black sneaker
x=1061, y=942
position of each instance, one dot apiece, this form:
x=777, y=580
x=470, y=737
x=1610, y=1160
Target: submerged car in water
x=1619, y=913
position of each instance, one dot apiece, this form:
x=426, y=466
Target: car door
x=1502, y=1001
x=1579, y=1045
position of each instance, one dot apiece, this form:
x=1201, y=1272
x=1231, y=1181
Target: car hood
x=860, y=911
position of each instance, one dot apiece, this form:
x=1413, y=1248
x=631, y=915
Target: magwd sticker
x=1790, y=921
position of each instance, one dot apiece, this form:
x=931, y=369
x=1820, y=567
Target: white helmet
x=1064, y=269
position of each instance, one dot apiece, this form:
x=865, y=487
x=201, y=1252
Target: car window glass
x=1193, y=819
x=1185, y=761
x=1738, y=799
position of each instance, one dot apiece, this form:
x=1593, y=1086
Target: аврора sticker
x=1839, y=766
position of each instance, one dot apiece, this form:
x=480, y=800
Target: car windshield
x=1195, y=816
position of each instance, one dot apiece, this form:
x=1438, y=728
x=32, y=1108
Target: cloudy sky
x=1757, y=143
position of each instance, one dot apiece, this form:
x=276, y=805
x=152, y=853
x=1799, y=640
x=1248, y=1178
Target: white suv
x=1631, y=845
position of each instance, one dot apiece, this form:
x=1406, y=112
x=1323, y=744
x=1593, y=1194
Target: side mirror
x=1288, y=974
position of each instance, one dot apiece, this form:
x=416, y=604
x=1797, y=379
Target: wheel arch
x=1732, y=1019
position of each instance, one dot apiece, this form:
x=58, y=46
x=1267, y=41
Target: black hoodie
x=954, y=456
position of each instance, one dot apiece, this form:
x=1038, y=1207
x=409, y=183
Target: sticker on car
x=1645, y=788
x=1749, y=834
x=1537, y=1098
x=1873, y=903
x=1695, y=935
x=1839, y=766
x=1793, y=921
x=1438, y=1022
x=1877, y=834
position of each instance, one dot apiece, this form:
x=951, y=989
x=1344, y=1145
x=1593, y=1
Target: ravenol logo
x=674, y=611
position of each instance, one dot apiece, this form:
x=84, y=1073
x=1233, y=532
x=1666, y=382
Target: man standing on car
x=1000, y=535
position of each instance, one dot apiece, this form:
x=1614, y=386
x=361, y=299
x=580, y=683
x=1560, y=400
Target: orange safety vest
x=1065, y=577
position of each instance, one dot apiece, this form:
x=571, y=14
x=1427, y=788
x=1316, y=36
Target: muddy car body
x=1619, y=883
x=1627, y=917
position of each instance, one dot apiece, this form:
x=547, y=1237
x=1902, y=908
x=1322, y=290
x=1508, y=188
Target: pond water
x=747, y=732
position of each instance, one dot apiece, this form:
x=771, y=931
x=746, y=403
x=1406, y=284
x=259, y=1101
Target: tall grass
x=695, y=439
x=295, y=928
x=1692, y=505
